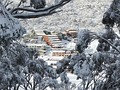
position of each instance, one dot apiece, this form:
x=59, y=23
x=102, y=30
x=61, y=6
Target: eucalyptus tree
x=98, y=70
x=19, y=65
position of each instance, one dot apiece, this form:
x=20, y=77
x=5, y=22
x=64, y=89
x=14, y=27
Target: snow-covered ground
x=76, y=14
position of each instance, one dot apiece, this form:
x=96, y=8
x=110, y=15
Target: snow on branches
x=10, y=27
x=112, y=15
x=20, y=66
x=84, y=38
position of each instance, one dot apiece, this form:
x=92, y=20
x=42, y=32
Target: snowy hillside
x=77, y=13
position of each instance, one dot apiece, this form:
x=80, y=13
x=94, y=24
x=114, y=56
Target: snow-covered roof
x=71, y=46
x=31, y=44
x=39, y=32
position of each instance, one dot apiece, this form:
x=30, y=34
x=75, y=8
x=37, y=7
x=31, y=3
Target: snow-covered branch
x=35, y=13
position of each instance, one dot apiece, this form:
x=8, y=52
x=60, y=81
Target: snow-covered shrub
x=84, y=38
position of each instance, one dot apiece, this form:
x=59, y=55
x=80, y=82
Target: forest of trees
x=20, y=67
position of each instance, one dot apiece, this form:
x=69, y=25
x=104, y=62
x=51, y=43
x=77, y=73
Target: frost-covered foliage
x=20, y=67
x=84, y=38
x=112, y=15
x=98, y=70
x=10, y=27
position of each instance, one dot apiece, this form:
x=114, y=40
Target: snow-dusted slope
x=76, y=14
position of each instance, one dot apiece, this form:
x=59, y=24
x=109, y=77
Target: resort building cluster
x=51, y=45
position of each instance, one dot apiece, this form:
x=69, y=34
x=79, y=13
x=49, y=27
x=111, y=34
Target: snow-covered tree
x=19, y=65
x=98, y=70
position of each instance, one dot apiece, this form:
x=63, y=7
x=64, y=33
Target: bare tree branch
x=35, y=13
x=107, y=42
x=19, y=3
x=7, y=3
